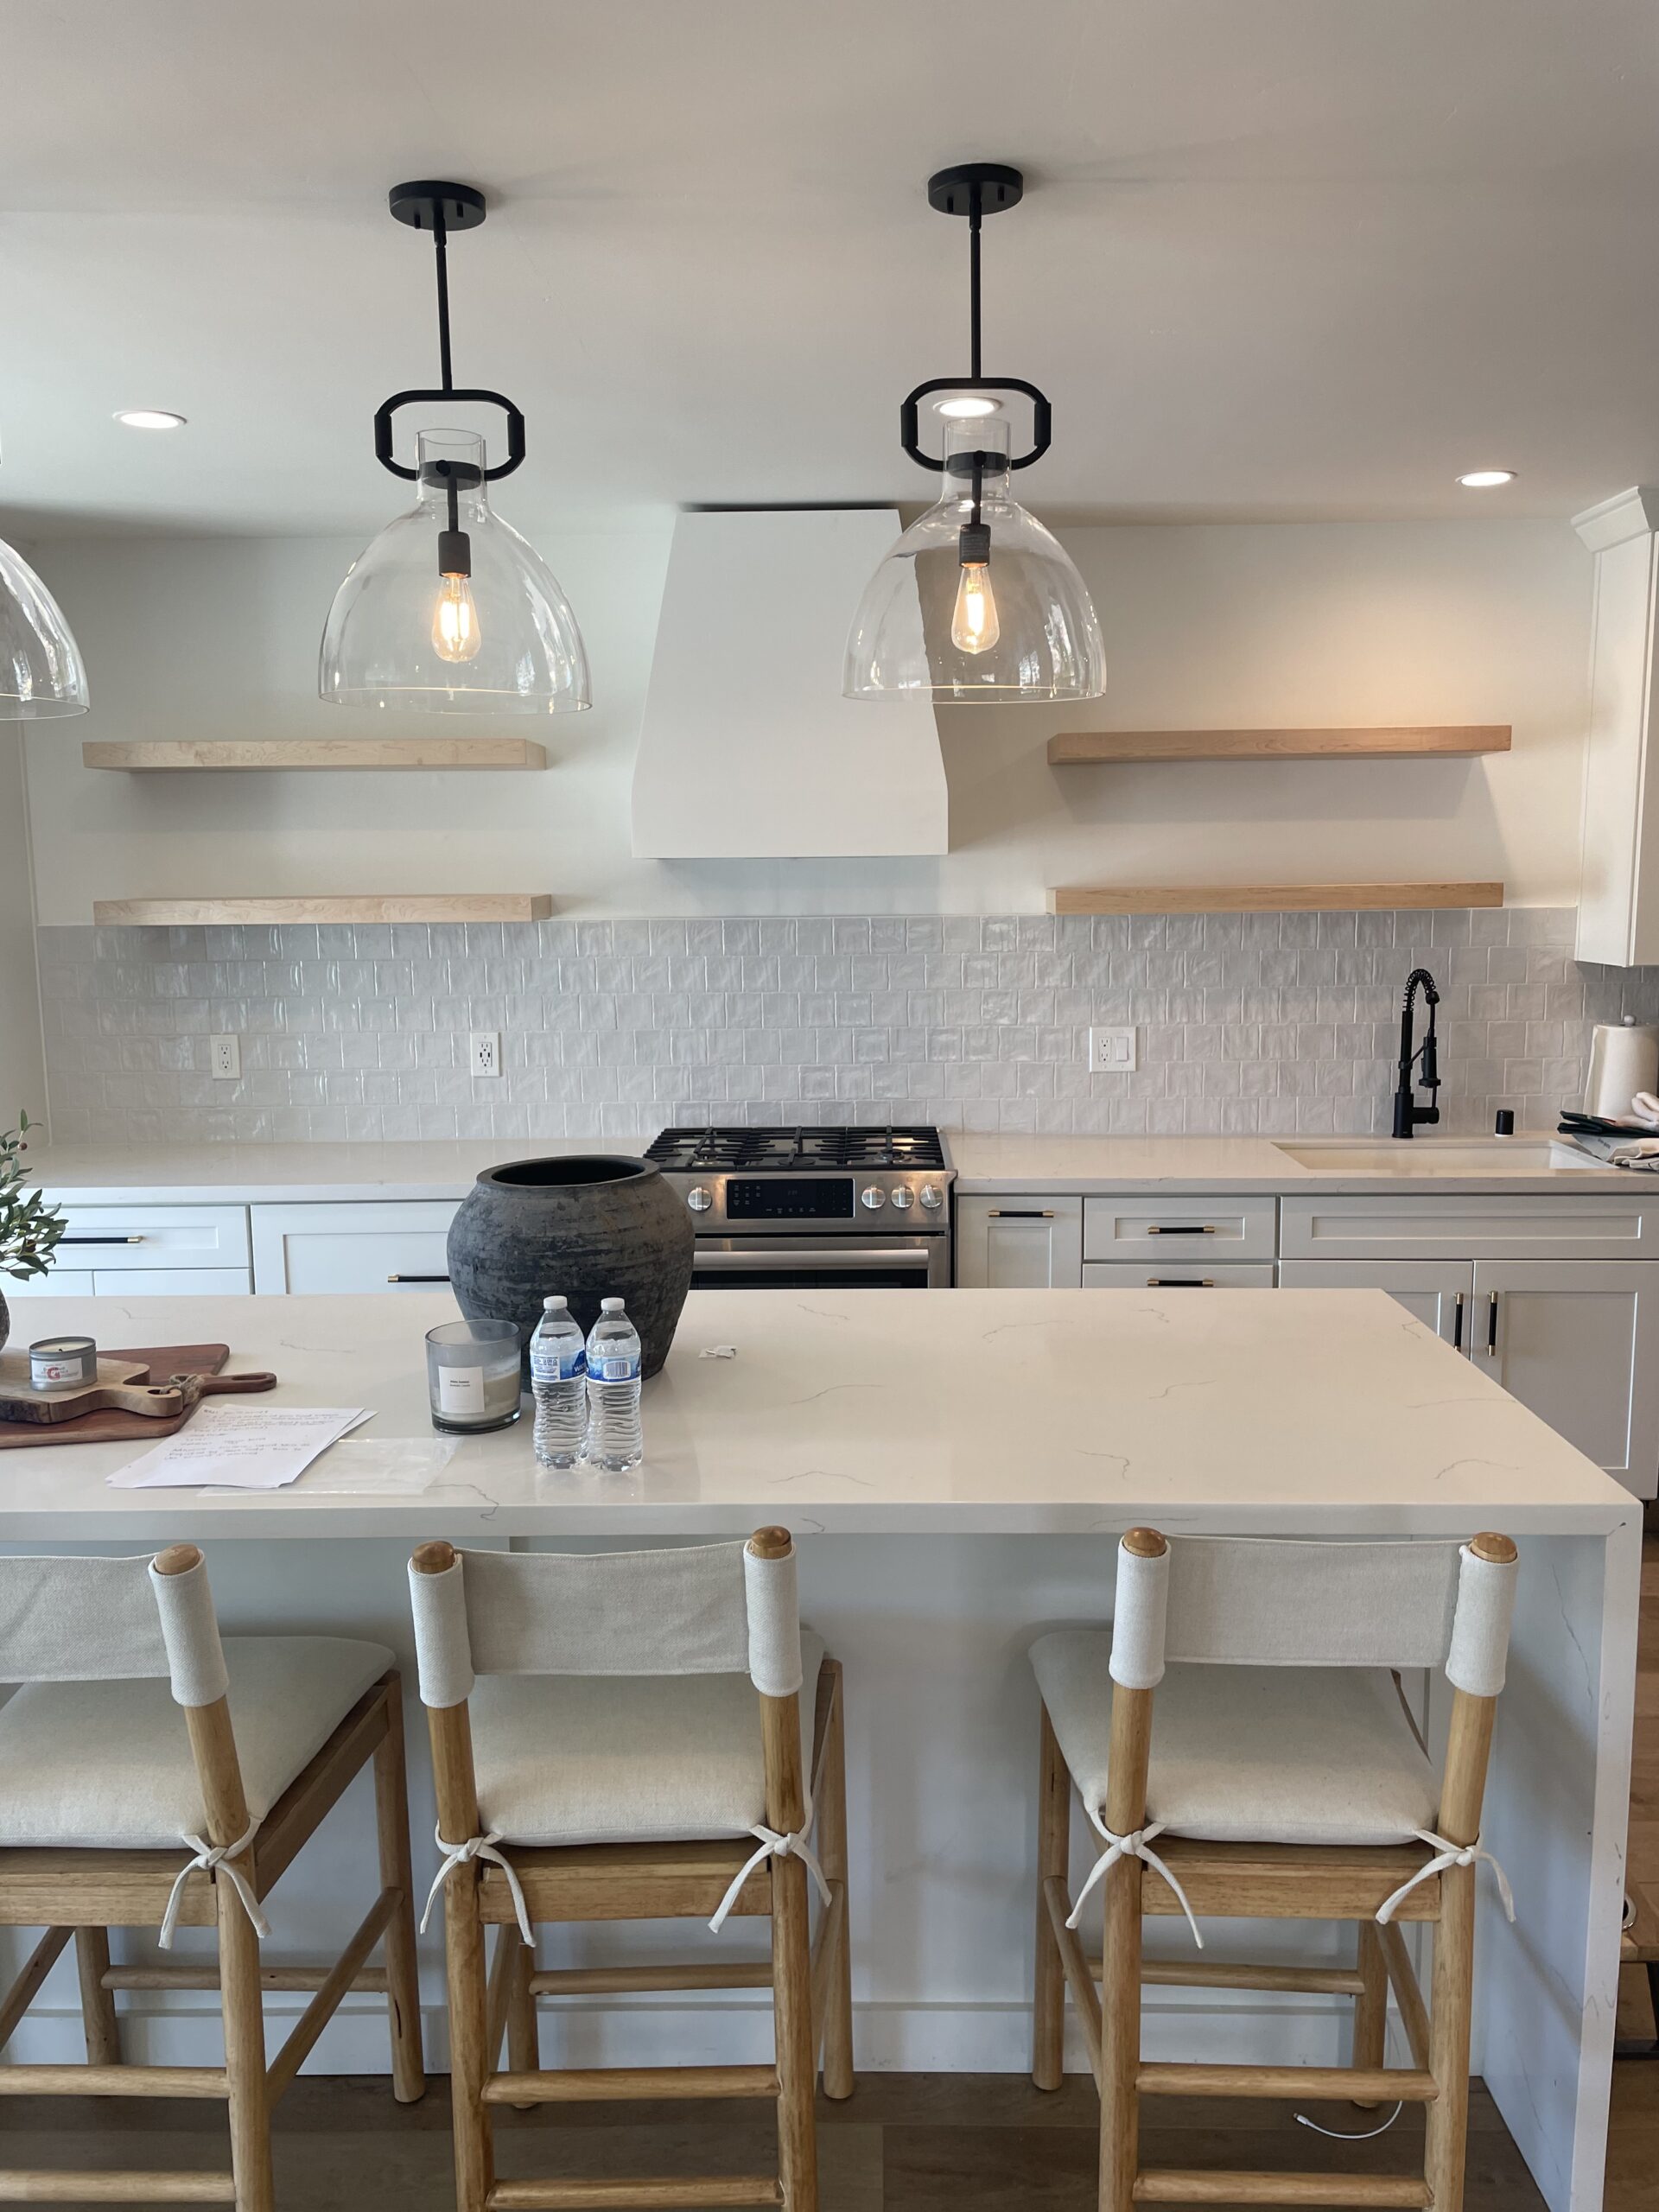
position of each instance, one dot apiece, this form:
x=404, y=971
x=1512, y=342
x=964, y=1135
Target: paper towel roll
x=1624, y=1059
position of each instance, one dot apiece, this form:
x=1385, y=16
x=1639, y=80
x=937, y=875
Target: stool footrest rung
x=1379, y=2085
x=51, y=2185
x=113, y=2081
x=575, y=2085
x=647, y=2193
x=1175, y=2185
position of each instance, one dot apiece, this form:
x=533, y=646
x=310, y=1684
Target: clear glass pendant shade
x=449, y=610
x=41, y=672
x=1018, y=624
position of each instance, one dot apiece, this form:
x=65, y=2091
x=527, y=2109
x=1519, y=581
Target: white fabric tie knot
x=213, y=1858
x=1447, y=1854
x=774, y=1846
x=460, y=1855
x=1137, y=1844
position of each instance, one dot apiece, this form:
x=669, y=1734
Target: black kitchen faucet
x=1407, y=1113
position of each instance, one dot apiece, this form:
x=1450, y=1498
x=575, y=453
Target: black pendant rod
x=974, y=210
x=441, y=244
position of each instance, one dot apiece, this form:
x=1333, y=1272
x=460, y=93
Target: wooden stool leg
x=1447, y=2118
x=469, y=2057
x=1053, y=1840
x=1370, y=2006
x=791, y=1988
x=245, y=2054
x=523, y=2036
x=1120, y=2037
x=97, y=2003
x=402, y=1977
x=832, y=1839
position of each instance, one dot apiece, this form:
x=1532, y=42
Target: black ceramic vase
x=589, y=1227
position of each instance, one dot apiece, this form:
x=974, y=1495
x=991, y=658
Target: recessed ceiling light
x=148, y=419
x=1486, y=479
x=966, y=406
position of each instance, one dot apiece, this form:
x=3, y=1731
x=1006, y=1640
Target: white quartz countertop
x=856, y=1413
x=289, y=1173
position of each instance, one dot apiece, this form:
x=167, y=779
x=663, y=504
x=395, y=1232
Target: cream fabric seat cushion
x=1250, y=1754
x=108, y=1764
x=625, y=1759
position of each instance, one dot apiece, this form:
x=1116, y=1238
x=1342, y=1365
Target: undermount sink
x=1435, y=1155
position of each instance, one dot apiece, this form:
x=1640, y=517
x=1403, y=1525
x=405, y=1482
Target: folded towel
x=1642, y=1154
x=1644, y=1107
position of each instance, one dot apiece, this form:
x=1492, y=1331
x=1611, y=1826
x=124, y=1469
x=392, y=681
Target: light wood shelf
x=440, y=906
x=1269, y=898
x=146, y=755
x=1074, y=748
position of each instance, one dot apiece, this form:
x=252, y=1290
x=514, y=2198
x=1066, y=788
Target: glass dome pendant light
x=449, y=610
x=41, y=673
x=976, y=601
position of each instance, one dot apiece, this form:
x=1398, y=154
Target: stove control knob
x=700, y=1198
x=873, y=1196
x=932, y=1197
x=904, y=1198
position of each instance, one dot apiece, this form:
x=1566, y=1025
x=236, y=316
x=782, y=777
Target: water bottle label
x=555, y=1363
x=613, y=1367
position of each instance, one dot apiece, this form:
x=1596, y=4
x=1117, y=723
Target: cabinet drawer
x=377, y=1245
x=1162, y=1229
x=132, y=1239
x=1134, y=1275
x=1014, y=1242
x=1547, y=1225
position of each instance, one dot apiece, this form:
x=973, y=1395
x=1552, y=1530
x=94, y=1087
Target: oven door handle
x=840, y=1255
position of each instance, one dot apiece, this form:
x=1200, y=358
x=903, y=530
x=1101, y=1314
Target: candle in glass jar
x=472, y=1374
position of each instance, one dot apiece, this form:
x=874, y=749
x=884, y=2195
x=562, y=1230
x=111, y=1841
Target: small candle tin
x=62, y=1362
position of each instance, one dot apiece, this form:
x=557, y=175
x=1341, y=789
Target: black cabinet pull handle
x=1491, y=1325
x=1180, y=1282
x=417, y=1278
x=1182, y=1229
x=1457, y=1323
x=1020, y=1213
x=100, y=1240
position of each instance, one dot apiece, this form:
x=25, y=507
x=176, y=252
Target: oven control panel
x=889, y=1200
x=789, y=1198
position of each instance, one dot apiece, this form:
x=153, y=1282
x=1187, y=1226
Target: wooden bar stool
x=1281, y=1777
x=598, y=1716
x=101, y=1780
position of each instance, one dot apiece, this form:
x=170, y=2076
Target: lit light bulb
x=455, y=623
x=974, y=627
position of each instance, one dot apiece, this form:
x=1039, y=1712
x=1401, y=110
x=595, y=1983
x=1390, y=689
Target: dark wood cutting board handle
x=214, y=1386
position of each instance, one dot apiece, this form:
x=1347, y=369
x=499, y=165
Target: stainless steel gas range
x=814, y=1209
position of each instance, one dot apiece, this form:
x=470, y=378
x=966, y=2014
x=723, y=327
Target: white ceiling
x=1279, y=257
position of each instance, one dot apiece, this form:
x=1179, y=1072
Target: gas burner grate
x=747, y=1151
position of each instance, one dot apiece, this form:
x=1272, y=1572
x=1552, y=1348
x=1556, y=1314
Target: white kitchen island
x=957, y=1470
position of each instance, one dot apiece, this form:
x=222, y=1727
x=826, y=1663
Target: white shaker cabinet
x=377, y=1245
x=1578, y=1341
x=1019, y=1243
x=1438, y=1292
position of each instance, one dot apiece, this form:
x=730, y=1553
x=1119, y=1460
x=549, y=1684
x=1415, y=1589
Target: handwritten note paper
x=237, y=1447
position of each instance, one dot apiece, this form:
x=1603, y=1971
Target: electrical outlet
x=1114, y=1051
x=225, y=1057
x=486, y=1052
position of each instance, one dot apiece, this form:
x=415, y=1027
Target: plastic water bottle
x=558, y=1361
x=615, y=1439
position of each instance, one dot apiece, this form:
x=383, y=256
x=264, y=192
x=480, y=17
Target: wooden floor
x=905, y=2142
x=1633, y=2143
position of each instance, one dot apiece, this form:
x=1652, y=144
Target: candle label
x=460, y=1391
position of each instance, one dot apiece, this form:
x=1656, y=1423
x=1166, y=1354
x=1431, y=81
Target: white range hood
x=748, y=750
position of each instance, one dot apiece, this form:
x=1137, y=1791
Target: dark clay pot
x=589, y=1226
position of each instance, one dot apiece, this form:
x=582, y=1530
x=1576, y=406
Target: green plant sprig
x=29, y=1228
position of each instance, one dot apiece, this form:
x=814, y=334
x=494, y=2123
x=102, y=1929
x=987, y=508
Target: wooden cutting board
x=112, y=1425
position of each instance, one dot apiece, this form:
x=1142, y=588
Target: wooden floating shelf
x=453, y=906
x=141, y=757
x=1270, y=898
x=1076, y=746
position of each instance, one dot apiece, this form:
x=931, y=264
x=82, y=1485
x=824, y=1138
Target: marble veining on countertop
x=445, y=1169
x=989, y=1411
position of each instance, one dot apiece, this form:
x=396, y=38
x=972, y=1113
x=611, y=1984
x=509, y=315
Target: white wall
x=22, y=1073
x=1226, y=625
